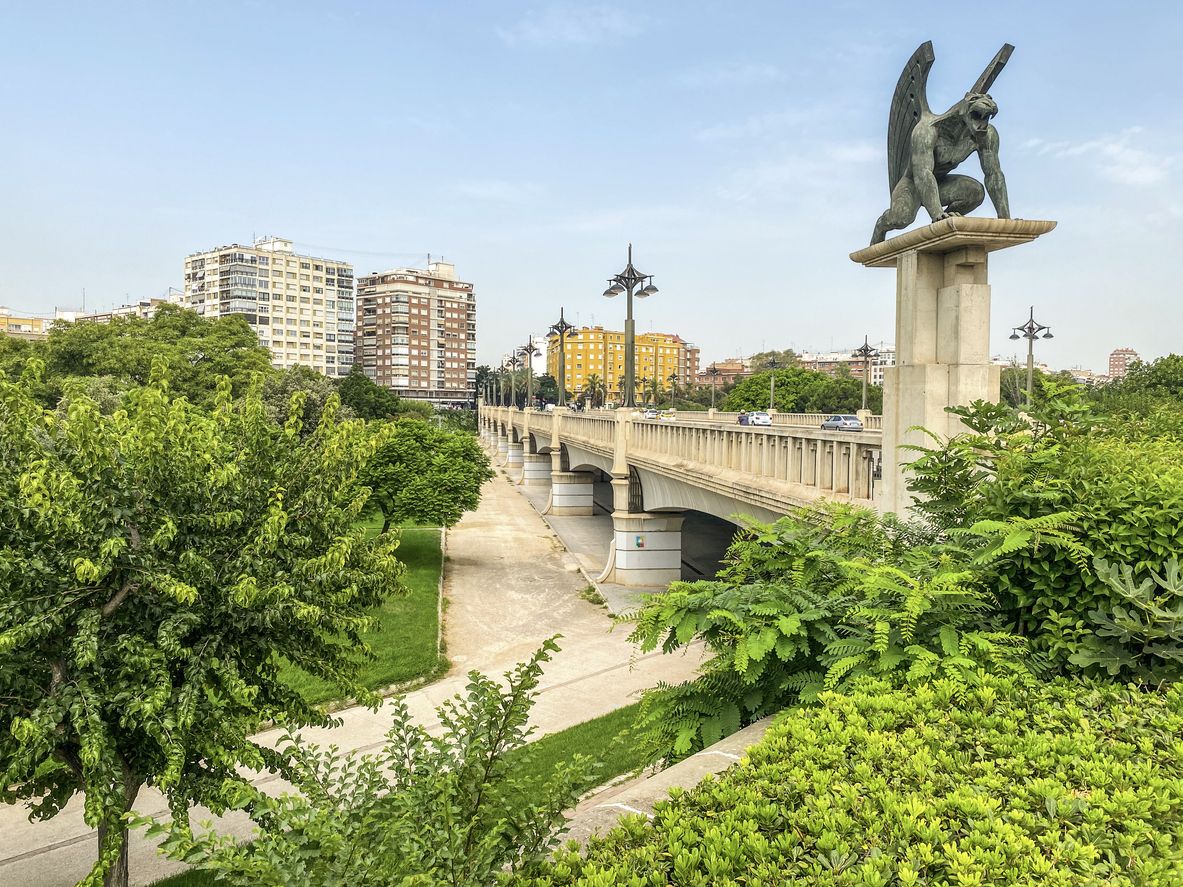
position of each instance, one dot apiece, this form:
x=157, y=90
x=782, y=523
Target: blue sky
x=739, y=146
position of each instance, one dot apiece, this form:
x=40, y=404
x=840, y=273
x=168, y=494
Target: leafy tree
x=426, y=475
x=761, y=360
x=595, y=389
x=155, y=566
x=1159, y=378
x=429, y=810
x=367, y=399
x=195, y=351
x=546, y=388
x=317, y=388
x=799, y=390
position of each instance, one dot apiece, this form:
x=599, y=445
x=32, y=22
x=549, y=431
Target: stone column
x=535, y=469
x=942, y=332
x=571, y=493
x=502, y=447
x=513, y=458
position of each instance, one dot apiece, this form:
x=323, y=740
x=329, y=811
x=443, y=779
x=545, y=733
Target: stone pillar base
x=502, y=447
x=513, y=458
x=535, y=469
x=646, y=550
x=571, y=493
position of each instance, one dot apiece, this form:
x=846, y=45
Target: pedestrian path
x=509, y=584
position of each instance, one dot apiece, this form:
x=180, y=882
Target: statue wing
x=993, y=69
x=907, y=105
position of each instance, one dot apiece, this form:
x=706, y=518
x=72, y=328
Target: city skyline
x=752, y=162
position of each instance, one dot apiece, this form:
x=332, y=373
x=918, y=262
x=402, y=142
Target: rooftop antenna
x=84, y=300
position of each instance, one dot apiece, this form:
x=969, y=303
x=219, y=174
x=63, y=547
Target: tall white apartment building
x=416, y=333
x=301, y=307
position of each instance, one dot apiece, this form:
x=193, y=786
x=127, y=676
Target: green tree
x=365, y=398
x=799, y=390
x=425, y=810
x=426, y=475
x=317, y=388
x=155, y=566
x=196, y=352
x=760, y=360
x=595, y=389
x=546, y=388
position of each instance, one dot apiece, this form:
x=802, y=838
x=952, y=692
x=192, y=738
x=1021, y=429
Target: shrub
x=1070, y=784
x=1122, y=483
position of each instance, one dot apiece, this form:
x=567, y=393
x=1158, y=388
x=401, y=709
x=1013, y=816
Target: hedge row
x=1066, y=784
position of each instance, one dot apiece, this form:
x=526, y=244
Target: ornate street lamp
x=563, y=330
x=773, y=363
x=713, y=372
x=625, y=283
x=866, y=352
x=1030, y=331
x=529, y=352
x=513, y=363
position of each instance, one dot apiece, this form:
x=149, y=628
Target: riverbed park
x=316, y=576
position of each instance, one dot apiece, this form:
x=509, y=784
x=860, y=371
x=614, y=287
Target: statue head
x=976, y=110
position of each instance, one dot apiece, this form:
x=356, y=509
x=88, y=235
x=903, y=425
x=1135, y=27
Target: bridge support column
x=571, y=493
x=646, y=549
x=942, y=332
x=513, y=457
x=502, y=447
x=535, y=469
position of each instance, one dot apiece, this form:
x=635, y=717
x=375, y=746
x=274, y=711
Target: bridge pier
x=572, y=494
x=502, y=447
x=646, y=549
x=513, y=458
x=535, y=469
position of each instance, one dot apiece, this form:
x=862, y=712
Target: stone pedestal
x=513, y=458
x=535, y=469
x=571, y=493
x=502, y=447
x=942, y=332
x=646, y=549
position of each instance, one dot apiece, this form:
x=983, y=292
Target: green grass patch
x=606, y=740
x=404, y=641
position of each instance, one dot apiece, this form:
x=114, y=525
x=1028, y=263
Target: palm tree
x=654, y=390
x=595, y=389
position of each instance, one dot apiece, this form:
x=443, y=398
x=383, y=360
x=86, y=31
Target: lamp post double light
x=866, y=352
x=713, y=372
x=564, y=331
x=513, y=362
x=773, y=363
x=1031, y=331
x=625, y=283
x=529, y=352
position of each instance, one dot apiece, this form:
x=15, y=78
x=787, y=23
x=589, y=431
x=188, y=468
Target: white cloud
x=825, y=169
x=496, y=190
x=1113, y=157
x=572, y=24
x=733, y=74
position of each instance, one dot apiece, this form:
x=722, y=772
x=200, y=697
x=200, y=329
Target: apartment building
x=1120, y=361
x=416, y=333
x=21, y=327
x=145, y=309
x=300, y=306
x=595, y=351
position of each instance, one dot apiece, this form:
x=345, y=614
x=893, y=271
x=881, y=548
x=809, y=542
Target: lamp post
x=673, y=390
x=866, y=352
x=713, y=372
x=500, y=388
x=563, y=330
x=1030, y=331
x=514, y=362
x=644, y=382
x=529, y=352
x=773, y=363
x=625, y=283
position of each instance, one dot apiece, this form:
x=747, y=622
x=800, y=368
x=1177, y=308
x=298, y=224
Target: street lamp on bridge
x=713, y=372
x=564, y=331
x=773, y=363
x=866, y=352
x=513, y=362
x=1030, y=331
x=529, y=352
x=625, y=283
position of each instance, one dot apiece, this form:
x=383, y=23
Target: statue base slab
x=942, y=333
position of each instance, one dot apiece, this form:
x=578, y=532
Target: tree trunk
x=117, y=874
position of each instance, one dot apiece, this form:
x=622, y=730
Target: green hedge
x=1069, y=784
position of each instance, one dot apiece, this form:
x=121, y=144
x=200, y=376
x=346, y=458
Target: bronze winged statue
x=924, y=148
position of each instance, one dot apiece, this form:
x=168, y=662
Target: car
x=842, y=423
x=757, y=418
x=649, y=414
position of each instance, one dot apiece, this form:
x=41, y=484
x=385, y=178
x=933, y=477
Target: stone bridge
x=660, y=469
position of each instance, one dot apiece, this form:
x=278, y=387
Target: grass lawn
x=404, y=642
x=604, y=739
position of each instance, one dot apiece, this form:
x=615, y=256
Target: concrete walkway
x=509, y=584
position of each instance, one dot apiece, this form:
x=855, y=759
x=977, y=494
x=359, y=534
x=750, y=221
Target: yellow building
x=595, y=351
x=23, y=327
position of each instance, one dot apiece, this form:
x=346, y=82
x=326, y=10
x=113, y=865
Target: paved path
x=509, y=585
